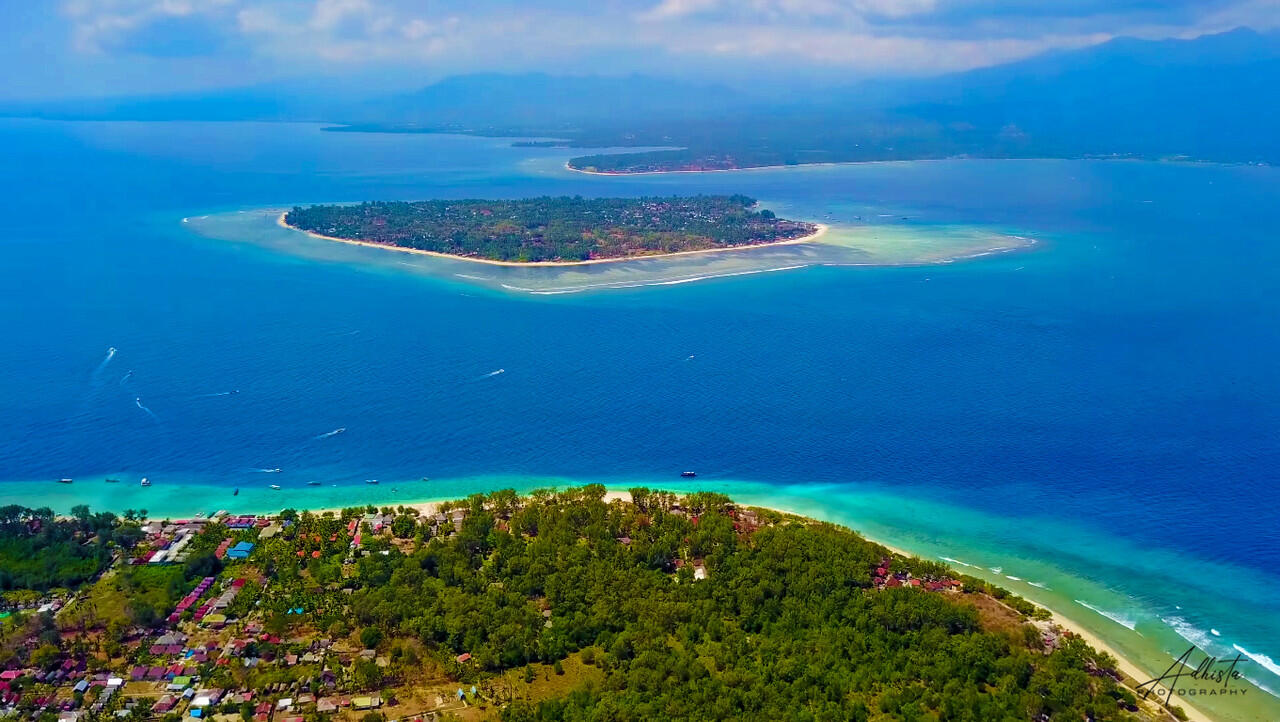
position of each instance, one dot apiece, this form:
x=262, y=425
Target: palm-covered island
x=555, y=606
x=564, y=229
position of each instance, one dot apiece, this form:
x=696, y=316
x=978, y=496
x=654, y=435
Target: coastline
x=614, y=173
x=1130, y=669
x=822, y=229
x=1125, y=665
x=827, y=163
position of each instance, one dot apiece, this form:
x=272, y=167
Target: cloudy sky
x=59, y=48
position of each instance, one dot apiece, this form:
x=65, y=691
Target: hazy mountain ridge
x=1209, y=98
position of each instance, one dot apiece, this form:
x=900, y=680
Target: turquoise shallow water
x=1096, y=415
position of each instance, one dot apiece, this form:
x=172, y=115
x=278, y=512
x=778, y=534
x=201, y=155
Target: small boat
x=371, y=481
x=426, y=478
x=145, y=482
x=688, y=474
x=65, y=481
x=272, y=471
x=276, y=487
x=236, y=492
x=313, y=483
x=113, y=481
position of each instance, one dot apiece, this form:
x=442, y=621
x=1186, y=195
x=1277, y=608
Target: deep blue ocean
x=1104, y=407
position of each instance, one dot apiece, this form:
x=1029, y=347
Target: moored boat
x=145, y=482
x=688, y=474
x=65, y=481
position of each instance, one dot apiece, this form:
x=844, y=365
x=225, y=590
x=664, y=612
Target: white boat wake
x=138, y=401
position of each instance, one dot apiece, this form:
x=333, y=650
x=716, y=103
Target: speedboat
x=371, y=481
x=276, y=487
x=313, y=483
x=688, y=474
x=65, y=481
x=145, y=482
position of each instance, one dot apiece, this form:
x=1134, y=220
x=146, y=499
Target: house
x=240, y=550
x=373, y=702
x=164, y=704
x=464, y=658
x=325, y=706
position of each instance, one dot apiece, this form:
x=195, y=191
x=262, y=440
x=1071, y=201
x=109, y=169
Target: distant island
x=546, y=230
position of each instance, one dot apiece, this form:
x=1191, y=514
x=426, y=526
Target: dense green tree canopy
x=554, y=229
x=40, y=551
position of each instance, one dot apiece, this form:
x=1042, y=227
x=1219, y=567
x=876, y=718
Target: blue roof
x=242, y=547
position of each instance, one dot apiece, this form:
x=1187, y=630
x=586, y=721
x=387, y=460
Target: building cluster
x=885, y=578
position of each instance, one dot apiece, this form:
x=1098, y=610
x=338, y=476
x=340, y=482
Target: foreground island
x=564, y=230
x=554, y=606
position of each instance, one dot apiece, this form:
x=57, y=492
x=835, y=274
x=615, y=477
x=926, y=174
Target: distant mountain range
x=1211, y=98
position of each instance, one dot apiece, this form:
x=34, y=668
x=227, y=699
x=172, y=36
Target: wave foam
x=1120, y=619
x=1263, y=660
x=1190, y=632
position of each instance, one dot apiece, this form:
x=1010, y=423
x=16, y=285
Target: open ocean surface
x=1095, y=421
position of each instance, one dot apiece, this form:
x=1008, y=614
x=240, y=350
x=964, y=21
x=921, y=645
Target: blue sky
x=61, y=48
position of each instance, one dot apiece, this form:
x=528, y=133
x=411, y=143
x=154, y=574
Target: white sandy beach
x=1126, y=666
x=822, y=229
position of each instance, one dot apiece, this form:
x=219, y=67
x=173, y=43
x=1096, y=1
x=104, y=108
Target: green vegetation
x=788, y=622
x=565, y=606
x=554, y=229
x=40, y=552
x=137, y=594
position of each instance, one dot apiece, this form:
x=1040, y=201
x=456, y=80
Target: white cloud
x=873, y=36
x=846, y=10
x=96, y=23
